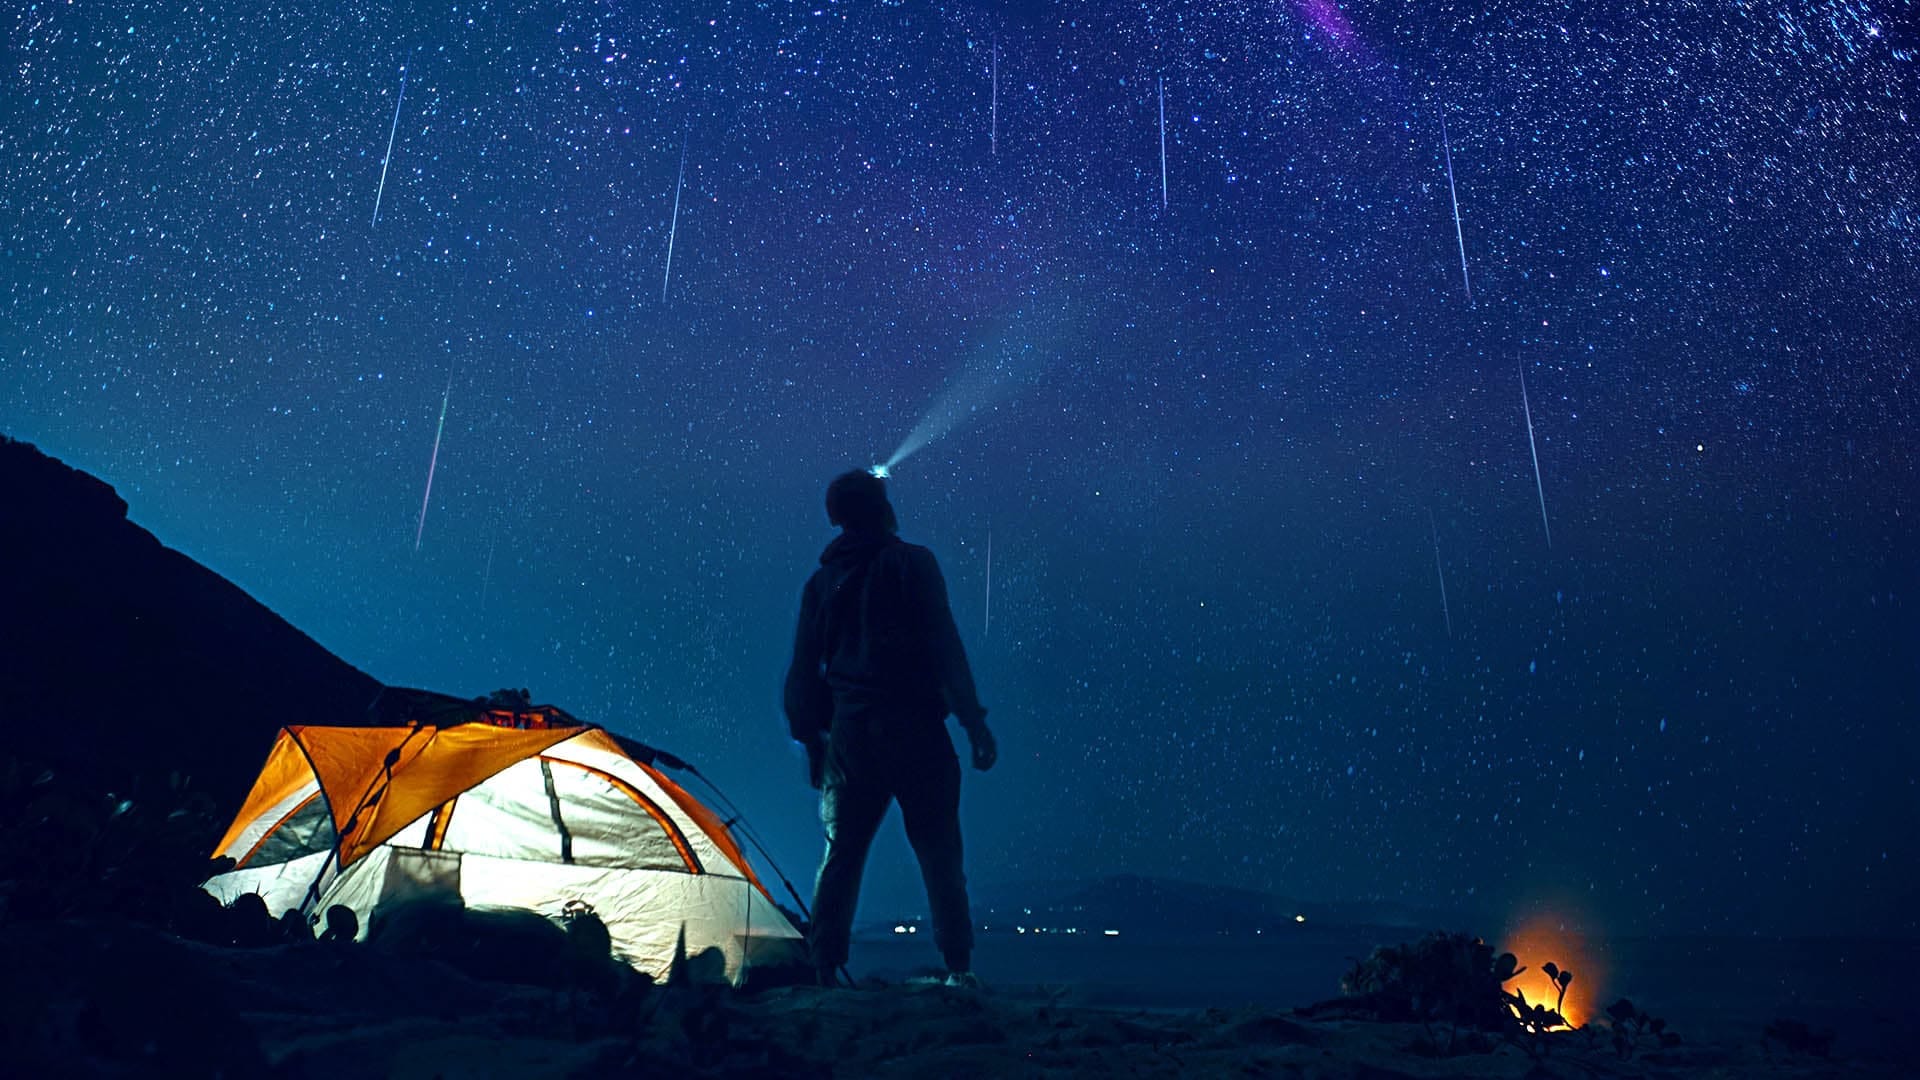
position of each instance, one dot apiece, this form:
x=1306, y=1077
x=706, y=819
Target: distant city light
x=1111, y=933
x=1299, y=918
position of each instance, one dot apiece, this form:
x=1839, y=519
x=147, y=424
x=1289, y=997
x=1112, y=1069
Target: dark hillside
x=131, y=662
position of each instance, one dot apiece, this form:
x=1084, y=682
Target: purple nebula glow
x=1326, y=16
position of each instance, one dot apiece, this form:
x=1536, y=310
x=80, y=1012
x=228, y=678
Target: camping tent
x=517, y=807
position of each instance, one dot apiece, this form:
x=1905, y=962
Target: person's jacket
x=875, y=628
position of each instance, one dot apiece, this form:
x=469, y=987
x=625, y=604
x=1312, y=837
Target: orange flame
x=1543, y=939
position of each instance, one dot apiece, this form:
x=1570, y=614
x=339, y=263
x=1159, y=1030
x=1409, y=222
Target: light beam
x=1022, y=351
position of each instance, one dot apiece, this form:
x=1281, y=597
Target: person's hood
x=852, y=547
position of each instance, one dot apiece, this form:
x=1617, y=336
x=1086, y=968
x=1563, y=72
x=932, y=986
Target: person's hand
x=986, y=751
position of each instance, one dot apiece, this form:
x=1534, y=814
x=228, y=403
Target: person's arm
x=950, y=656
x=807, y=699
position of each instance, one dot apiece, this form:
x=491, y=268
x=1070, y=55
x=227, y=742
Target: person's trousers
x=878, y=755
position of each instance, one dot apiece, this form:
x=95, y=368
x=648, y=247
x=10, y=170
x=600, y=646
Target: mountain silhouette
x=126, y=659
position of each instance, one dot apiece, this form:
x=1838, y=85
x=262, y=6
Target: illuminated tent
x=515, y=807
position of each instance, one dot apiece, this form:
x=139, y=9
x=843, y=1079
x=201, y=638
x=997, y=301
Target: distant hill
x=1144, y=906
x=125, y=658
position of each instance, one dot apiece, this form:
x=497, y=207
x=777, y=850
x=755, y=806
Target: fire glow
x=1544, y=939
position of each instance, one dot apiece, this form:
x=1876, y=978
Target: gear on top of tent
x=500, y=803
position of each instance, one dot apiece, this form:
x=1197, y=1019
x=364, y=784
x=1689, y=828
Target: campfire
x=1545, y=940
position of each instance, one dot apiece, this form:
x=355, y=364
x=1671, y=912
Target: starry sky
x=1175, y=296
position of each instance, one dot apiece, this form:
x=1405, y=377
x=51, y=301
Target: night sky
x=1226, y=434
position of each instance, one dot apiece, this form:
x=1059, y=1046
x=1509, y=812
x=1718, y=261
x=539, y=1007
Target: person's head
x=857, y=501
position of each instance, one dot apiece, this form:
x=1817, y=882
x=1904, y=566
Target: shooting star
x=1442, y=571
x=486, y=577
x=432, y=464
x=994, y=132
x=674, y=229
x=1446, y=144
x=391, y=133
x=1535, y=451
x=987, y=630
x=1162, y=82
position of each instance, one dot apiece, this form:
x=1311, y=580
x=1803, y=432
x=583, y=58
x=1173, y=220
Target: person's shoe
x=962, y=980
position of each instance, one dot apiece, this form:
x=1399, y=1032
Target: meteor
x=1442, y=570
x=433, y=463
x=1447, y=144
x=1162, y=82
x=986, y=631
x=673, y=229
x=1535, y=451
x=391, y=132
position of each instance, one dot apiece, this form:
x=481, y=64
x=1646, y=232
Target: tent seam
x=674, y=833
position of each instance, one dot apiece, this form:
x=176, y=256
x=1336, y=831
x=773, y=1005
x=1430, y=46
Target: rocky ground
x=112, y=998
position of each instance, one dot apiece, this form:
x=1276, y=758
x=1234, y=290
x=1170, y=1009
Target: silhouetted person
x=877, y=668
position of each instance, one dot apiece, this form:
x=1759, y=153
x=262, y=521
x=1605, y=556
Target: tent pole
x=375, y=789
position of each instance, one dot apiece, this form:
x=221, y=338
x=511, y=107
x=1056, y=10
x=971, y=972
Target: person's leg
x=851, y=809
x=930, y=803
